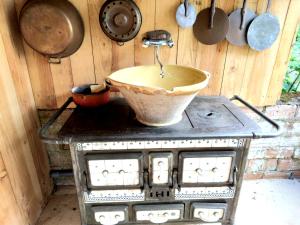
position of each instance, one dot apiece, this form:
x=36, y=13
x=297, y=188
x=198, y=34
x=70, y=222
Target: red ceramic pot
x=82, y=96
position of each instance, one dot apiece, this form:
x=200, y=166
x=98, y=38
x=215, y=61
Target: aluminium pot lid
x=237, y=33
x=120, y=20
x=263, y=32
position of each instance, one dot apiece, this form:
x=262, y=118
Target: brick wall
x=276, y=157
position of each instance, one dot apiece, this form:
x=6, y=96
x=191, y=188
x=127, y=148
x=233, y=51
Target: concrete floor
x=262, y=202
x=269, y=202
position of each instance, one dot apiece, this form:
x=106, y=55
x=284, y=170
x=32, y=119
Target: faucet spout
x=158, y=38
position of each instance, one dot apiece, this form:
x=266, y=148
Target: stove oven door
x=206, y=168
x=114, y=171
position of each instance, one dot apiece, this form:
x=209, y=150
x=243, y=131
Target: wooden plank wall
x=256, y=76
x=24, y=171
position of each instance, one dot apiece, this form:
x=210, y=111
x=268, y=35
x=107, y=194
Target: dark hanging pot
x=120, y=20
x=53, y=28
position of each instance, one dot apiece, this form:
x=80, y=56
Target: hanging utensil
x=120, y=20
x=239, y=21
x=186, y=14
x=211, y=25
x=53, y=28
x=263, y=31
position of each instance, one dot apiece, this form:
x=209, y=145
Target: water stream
x=162, y=71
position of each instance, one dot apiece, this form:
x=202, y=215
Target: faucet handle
x=158, y=35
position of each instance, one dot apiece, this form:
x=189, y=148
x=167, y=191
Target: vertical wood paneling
x=15, y=148
x=260, y=65
x=187, y=43
x=9, y=211
x=144, y=56
x=122, y=56
x=62, y=80
x=82, y=61
x=165, y=19
x=236, y=61
x=19, y=73
x=212, y=57
x=102, y=45
x=290, y=27
x=235, y=70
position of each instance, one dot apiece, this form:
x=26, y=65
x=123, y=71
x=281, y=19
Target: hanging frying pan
x=263, y=31
x=53, y=28
x=239, y=21
x=186, y=15
x=211, y=25
x=120, y=20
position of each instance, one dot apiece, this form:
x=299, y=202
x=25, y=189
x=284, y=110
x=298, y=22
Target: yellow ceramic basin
x=159, y=101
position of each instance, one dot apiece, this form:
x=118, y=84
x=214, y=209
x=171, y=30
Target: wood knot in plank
x=3, y=174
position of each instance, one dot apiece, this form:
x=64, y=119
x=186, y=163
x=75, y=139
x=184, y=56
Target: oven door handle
x=44, y=131
x=234, y=177
x=268, y=134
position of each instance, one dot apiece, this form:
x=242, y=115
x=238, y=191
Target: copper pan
x=53, y=28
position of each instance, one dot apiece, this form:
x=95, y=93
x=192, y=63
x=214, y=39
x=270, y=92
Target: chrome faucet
x=158, y=38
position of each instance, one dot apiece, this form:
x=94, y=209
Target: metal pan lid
x=120, y=20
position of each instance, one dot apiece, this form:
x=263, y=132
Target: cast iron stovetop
x=205, y=117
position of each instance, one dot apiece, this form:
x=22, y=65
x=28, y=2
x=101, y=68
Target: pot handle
x=212, y=14
x=44, y=130
x=53, y=60
x=270, y=121
x=186, y=7
x=269, y=5
x=243, y=14
x=111, y=86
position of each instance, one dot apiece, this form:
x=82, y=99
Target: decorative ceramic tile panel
x=114, y=196
x=164, y=144
x=205, y=193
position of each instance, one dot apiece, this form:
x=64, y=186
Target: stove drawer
x=206, y=167
x=158, y=213
x=208, y=212
x=108, y=170
x=110, y=215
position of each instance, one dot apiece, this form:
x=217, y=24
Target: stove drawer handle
x=159, y=218
x=44, y=130
x=272, y=122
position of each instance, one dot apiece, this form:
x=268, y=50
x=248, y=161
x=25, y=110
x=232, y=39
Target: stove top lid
x=205, y=117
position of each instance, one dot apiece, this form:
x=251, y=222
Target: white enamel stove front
x=117, y=179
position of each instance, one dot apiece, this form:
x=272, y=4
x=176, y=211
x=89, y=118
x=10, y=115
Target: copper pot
x=84, y=97
x=53, y=28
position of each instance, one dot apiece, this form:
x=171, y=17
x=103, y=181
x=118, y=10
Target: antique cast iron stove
x=127, y=173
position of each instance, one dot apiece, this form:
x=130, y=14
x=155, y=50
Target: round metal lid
x=263, y=32
x=237, y=34
x=217, y=33
x=120, y=20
